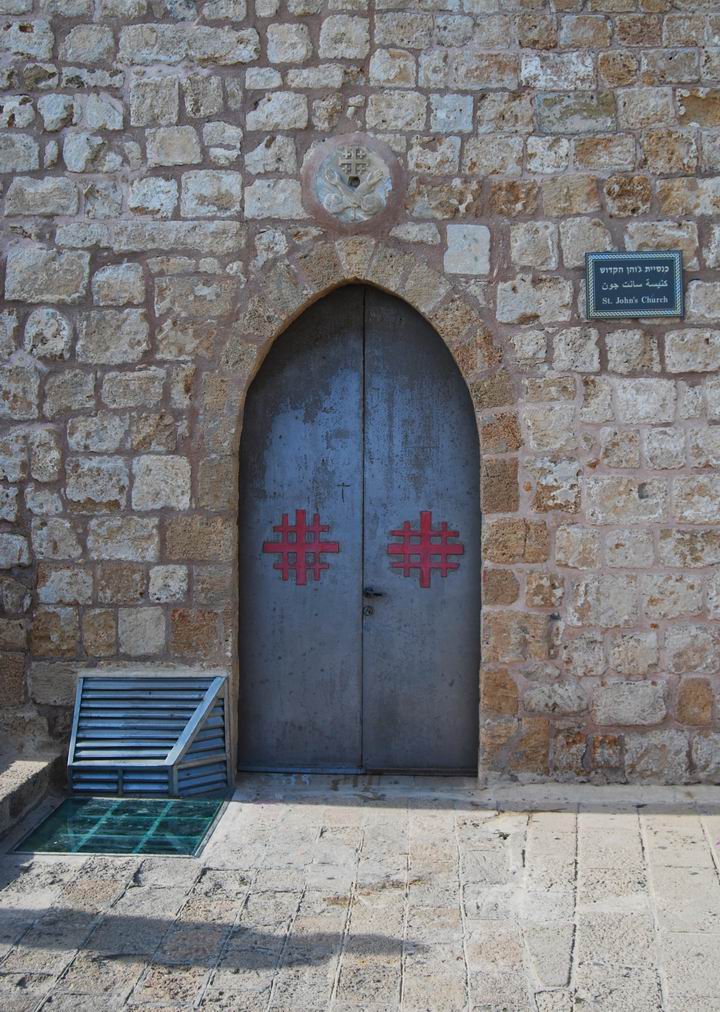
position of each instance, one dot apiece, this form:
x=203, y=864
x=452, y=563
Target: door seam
x=362, y=529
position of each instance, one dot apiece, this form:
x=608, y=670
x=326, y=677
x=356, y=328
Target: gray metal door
x=360, y=650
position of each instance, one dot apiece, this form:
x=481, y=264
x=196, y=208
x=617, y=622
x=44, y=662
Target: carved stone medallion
x=353, y=180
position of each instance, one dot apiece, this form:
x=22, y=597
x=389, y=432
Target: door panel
x=421, y=643
x=359, y=415
x=300, y=650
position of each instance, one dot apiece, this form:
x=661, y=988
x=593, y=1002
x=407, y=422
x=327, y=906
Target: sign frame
x=633, y=313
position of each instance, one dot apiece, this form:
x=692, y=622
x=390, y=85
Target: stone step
x=25, y=782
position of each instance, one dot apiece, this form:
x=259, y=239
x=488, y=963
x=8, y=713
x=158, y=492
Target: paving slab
x=397, y=894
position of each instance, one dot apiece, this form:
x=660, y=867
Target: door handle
x=369, y=592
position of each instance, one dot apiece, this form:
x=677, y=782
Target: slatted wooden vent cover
x=150, y=736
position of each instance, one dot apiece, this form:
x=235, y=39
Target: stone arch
x=282, y=290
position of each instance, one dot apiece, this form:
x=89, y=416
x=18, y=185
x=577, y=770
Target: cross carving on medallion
x=354, y=162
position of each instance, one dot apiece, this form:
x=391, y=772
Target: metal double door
x=359, y=547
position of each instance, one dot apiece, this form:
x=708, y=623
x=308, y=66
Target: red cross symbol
x=425, y=549
x=300, y=547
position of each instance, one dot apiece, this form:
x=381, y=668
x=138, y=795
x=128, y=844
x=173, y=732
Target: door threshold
x=349, y=771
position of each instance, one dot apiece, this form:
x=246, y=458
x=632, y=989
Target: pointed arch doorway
x=359, y=547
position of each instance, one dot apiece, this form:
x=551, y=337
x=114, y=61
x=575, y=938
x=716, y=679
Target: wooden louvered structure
x=157, y=736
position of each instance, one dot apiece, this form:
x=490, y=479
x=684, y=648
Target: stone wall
x=157, y=238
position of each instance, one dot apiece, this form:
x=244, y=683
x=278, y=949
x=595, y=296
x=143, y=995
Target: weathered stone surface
x=161, y=481
x=48, y=334
x=110, y=336
x=36, y=274
x=524, y=300
x=47, y=196
x=96, y=484
x=468, y=249
x=130, y=538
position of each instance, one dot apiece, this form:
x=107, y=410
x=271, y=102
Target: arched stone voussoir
x=284, y=288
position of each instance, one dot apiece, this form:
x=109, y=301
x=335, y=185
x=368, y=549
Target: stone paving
x=384, y=894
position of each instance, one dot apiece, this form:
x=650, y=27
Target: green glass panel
x=125, y=826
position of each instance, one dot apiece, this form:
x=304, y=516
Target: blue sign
x=631, y=285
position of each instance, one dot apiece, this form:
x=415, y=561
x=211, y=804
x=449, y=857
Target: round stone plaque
x=351, y=182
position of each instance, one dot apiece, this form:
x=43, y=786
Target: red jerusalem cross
x=300, y=547
x=425, y=549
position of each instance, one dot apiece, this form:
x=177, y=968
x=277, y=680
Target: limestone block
x=274, y=198
x=289, y=43
x=547, y=154
x=704, y=447
x=633, y=653
x=393, y=67
x=346, y=37
x=88, y=44
x=45, y=453
x=194, y=297
x=49, y=196
x=110, y=336
x=645, y=400
x=577, y=547
x=576, y=113
x=141, y=631
x=16, y=112
x=693, y=350
x=99, y=632
x=154, y=101
x=628, y=196
x=55, y=632
x=695, y=701
x=173, y=146
x=19, y=391
x=280, y=110
x=501, y=158
x=606, y=600
x=666, y=596
x=689, y=548
x=439, y=156
x=657, y=756
x=697, y=499
x=468, y=249
x=33, y=39
x=665, y=448
x=8, y=503
x=203, y=94
x=528, y=300
x=64, y=584
x=662, y=235
x=557, y=697
x=534, y=244
x=168, y=583
x=36, y=274
x=55, y=538
x=101, y=432
x=161, y=481
x=153, y=196
x=18, y=153
x=556, y=484
x=48, y=334
x=611, y=499
x=574, y=71
x=620, y=448
x=118, y=284
x=692, y=648
x=634, y=703
x=632, y=351
x=96, y=484
x=397, y=110
x=629, y=547
x=451, y=114
x=14, y=551
x=125, y=538
x=143, y=388
x=103, y=112
x=579, y=236
x=211, y=194
x=70, y=390
x=57, y=111
x=550, y=427
x=83, y=152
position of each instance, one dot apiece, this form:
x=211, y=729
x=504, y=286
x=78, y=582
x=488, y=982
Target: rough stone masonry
x=157, y=238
